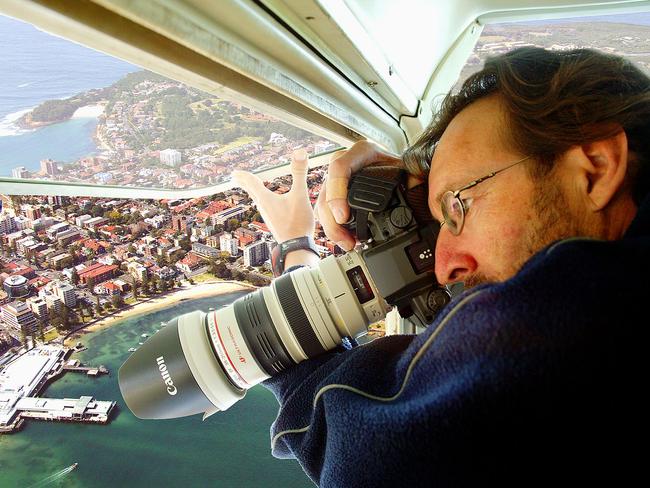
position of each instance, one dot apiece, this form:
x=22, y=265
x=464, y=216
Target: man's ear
x=603, y=166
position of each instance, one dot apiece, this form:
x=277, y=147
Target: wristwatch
x=279, y=252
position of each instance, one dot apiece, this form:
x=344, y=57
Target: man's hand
x=332, y=206
x=287, y=216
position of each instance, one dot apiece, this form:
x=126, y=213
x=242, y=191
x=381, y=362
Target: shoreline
x=155, y=303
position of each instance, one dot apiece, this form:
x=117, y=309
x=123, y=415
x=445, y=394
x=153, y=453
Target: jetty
x=23, y=379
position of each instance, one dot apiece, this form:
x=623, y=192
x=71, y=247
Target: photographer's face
x=509, y=218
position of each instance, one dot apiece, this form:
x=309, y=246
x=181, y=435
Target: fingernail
x=338, y=215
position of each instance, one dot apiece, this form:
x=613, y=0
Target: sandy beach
x=187, y=292
x=88, y=111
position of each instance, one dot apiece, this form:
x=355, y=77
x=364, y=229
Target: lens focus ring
x=296, y=317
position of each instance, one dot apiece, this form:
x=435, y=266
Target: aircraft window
x=623, y=34
x=72, y=114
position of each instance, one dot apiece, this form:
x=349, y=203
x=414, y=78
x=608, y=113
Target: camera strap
x=372, y=191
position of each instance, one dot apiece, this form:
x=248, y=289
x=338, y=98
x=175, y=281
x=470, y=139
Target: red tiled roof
x=97, y=271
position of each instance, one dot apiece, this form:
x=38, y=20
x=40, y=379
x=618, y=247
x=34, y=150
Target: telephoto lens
x=205, y=362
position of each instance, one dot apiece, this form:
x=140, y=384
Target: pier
x=75, y=365
x=27, y=375
x=83, y=409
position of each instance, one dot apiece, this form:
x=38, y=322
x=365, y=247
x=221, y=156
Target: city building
x=49, y=167
x=16, y=286
x=52, y=300
x=66, y=292
x=255, y=253
x=20, y=172
x=95, y=222
x=38, y=306
x=192, y=264
x=56, y=293
x=246, y=236
x=224, y=216
x=21, y=222
x=20, y=317
x=213, y=241
x=180, y=223
x=54, y=230
x=98, y=273
x=82, y=219
x=68, y=236
x=136, y=270
x=56, y=200
x=32, y=213
x=7, y=224
x=170, y=157
x=41, y=223
x=229, y=244
x=60, y=260
x=205, y=251
x=166, y=273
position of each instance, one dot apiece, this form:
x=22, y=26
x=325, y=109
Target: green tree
x=117, y=301
x=232, y=225
x=41, y=331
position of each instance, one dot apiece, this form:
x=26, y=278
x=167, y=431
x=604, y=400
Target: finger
x=251, y=184
x=299, y=167
x=333, y=231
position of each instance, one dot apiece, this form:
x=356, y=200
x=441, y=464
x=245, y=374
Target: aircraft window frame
x=120, y=28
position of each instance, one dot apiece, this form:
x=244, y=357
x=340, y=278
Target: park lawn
x=50, y=335
x=237, y=143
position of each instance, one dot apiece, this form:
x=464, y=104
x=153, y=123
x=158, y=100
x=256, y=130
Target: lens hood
x=156, y=381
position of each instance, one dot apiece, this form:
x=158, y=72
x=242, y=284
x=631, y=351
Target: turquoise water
x=64, y=142
x=229, y=449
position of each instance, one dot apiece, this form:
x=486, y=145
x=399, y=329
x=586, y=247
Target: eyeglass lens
x=453, y=212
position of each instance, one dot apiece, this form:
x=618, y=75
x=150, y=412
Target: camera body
x=205, y=362
x=397, y=238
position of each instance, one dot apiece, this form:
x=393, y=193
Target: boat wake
x=54, y=477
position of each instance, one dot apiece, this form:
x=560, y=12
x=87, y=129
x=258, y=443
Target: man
x=539, y=174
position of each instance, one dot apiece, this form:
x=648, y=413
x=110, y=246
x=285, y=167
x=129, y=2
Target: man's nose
x=453, y=263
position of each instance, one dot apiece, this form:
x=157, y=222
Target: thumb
x=251, y=184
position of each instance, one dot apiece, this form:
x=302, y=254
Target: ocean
x=36, y=67
x=229, y=449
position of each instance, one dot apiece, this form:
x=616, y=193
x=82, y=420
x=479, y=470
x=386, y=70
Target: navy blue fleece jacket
x=537, y=381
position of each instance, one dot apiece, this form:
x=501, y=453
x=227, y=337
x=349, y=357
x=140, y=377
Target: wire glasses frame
x=455, y=208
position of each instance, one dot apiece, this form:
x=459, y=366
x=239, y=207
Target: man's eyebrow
x=461, y=182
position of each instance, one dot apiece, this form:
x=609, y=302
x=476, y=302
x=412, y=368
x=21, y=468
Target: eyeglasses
x=455, y=208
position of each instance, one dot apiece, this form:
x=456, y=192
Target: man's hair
x=555, y=100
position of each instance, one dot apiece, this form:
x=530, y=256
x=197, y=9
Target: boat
x=132, y=349
x=74, y=466
x=145, y=335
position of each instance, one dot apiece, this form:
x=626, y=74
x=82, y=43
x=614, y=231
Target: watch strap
x=280, y=251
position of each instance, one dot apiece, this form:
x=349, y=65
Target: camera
x=205, y=362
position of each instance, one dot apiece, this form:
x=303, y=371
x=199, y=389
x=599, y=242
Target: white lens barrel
x=350, y=311
x=231, y=348
x=200, y=358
